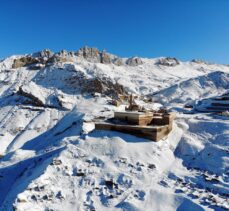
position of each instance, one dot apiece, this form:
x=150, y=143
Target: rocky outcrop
x=24, y=61
x=62, y=56
x=105, y=57
x=103, y=86
x=43, y=55
x=35, y=61
x=57, y=58
x=94, y=55
x=32, y=99
x=40, y=59
x=134, y=61
x=168, y=61
x=90, y=54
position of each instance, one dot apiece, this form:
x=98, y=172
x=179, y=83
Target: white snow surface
x=52, y=159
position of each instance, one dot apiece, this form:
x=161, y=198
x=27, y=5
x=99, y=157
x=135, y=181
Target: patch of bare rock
x=168, y=61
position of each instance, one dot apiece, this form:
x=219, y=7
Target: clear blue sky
x=184, y=29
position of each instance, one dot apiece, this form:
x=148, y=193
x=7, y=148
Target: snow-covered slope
x=50, y=160
x=207, y=85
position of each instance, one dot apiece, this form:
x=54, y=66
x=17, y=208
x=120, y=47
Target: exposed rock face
x=40, y=59
x=134, y=61
x=35, y=61
x=90, y=54
x=46, y=53
x=103, y=86
x=24, y=61
x=168, y=61
x=33, y=99
x=57, y=58
x=105, y=58
x=62, y=56
x=43, y=55
x=94, y=55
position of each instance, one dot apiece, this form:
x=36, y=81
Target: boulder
x=134, y=61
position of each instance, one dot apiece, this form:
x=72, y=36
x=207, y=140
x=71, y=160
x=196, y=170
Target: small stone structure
x=134, y=118
x=149, y=125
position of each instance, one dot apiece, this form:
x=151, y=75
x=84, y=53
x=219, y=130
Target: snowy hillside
x=50, y=159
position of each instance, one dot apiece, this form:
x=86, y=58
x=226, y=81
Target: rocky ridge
x=47, y=57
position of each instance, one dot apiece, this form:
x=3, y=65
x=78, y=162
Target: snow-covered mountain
x=51, y=160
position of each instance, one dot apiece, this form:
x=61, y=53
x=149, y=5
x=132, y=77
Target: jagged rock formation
x=105, y=57
x=94, y=55
x=90, y=54
x=168, y=61
x=134, y=61
x=62, y=56
x=45, y=57
x=35, y=61
x=38, y=60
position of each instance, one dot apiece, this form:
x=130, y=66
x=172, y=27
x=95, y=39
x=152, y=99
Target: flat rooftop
x=134, y=113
